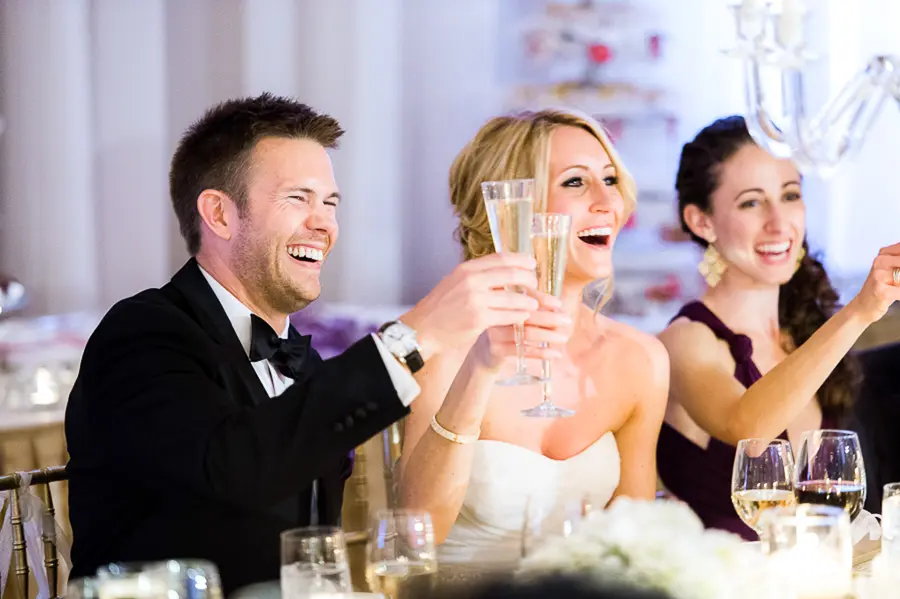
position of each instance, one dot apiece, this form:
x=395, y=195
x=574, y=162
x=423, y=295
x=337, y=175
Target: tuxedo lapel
x=211, y=316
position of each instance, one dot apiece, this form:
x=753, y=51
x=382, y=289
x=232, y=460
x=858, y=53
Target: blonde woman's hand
x=546, y=333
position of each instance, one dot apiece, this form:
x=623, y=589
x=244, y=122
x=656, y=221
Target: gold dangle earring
x=800, y=257
x=712, y=267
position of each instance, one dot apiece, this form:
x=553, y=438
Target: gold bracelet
x=451, y=436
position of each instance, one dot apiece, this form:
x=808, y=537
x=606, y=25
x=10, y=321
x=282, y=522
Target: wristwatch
x=400, y=340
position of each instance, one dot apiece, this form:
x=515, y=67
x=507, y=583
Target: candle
x=751, y=18
x=45, y=392
x=790, y=25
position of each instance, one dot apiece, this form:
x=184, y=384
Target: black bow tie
x=287, y=355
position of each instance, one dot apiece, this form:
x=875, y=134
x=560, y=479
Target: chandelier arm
x=840, y=127
x=756, y=104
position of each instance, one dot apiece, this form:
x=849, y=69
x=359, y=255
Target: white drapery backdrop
x=96, y=92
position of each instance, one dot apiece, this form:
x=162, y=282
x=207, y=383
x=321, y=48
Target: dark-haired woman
x=763, y=353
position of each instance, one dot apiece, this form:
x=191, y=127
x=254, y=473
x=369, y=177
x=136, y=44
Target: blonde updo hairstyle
x=517, y=147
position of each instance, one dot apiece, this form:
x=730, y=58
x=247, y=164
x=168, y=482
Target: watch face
x=399, y=339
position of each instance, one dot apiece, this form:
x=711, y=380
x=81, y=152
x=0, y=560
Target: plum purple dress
x=701, y=477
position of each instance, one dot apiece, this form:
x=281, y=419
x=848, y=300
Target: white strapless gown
x=505, y=479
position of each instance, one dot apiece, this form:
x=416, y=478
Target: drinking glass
x=762, y=478
x=402, y=555
x=550, y=239
x=811, y=550
x=547, y=518
x=830, y=471
x=509, y=206
x=189, y=579
x=126, y=581
x=890, y=522
x=314, y=559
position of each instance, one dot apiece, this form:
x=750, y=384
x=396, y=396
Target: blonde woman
x=472, y=459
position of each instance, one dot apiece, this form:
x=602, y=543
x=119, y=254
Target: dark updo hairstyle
x=808, y=299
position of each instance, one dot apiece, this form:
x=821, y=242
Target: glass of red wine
x=830, y=471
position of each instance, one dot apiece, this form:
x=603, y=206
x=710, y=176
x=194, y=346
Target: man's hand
x=473, y=298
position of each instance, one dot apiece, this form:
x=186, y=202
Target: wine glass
x=402, y=555
x=314, y=559
x=762, y=478
x=550, y=239
x=830, y=471
x=509, y=206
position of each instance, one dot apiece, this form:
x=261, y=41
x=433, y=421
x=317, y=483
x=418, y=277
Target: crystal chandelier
x=770, y=35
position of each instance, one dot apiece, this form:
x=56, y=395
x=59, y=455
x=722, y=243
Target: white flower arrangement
x=658, y=545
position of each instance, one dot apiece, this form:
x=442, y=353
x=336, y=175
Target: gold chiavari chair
x=371, y=487
x=393, y=443
x=40, y=479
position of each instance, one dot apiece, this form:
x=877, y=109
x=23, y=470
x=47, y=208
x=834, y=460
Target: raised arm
x=702, y=380
x=155, y=401
x=434, y=470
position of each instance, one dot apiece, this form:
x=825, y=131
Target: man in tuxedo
x=201, y=424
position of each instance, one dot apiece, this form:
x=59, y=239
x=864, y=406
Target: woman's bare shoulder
x=637, y=358
x=635, y=344
x=685, y=339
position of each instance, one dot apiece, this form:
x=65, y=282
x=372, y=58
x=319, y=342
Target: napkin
x=865, y=527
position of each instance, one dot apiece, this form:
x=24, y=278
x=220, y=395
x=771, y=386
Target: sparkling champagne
x=751, y=504
x=510, y=222
x=403, y=579
x=848, y=496
x=550, y=254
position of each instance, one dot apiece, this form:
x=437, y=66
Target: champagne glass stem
x=519, y=336
x=546, y=390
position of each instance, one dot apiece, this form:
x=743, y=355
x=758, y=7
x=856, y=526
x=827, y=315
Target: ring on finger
x=896, y=276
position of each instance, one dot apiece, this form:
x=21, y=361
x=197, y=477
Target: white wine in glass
x=762, y=479
x=550, y=239
x=402, y=558
x=510, y=206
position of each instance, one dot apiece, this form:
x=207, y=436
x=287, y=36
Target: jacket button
x=371, y=406
x=338, y=427
x=349, y=421
x=360, y=413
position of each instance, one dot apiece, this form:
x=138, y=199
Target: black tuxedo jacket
x=177, y=451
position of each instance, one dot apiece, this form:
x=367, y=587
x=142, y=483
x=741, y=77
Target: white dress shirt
x=275, y=382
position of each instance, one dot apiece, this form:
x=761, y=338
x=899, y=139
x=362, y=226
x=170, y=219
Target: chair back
x=393, y=443
x=12, y=483
x=363, y=494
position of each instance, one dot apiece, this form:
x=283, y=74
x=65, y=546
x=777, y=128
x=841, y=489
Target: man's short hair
x=214, y=152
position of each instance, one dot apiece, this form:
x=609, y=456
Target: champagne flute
x=830, y=471
x=314, y=559
x=762, y=479
x=402, y=556
x=550, y=235
x=509, y=206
